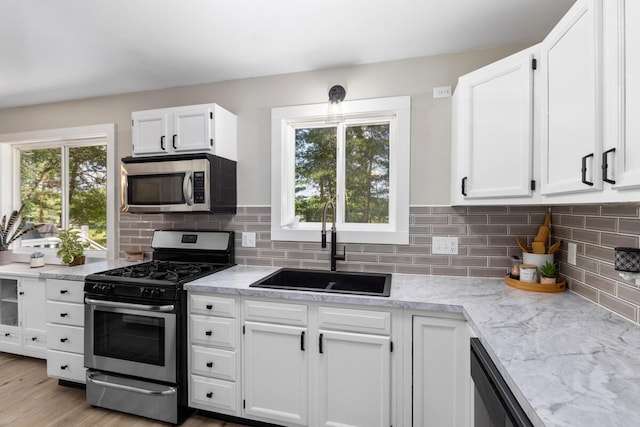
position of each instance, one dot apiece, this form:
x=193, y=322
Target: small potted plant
x=72, y=246
x=548, y=273
x=10, y=230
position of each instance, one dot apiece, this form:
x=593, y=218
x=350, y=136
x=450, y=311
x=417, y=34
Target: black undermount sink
x=373, y=284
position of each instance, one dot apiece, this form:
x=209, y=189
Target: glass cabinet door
x=8, y=302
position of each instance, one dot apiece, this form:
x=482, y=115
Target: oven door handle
x=168, y=392
x=162, y=308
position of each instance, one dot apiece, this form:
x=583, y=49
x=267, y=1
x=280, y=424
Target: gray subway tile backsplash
x=486, y=240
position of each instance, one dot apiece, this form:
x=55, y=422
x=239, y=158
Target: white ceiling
x=70, y=49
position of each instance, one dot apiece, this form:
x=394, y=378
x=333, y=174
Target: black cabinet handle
x=209, y=364
x=302, y=341
x=63, y=291
x=7, y=334
x=64, y=339
x=584, y=170
x=34, y=338
x=64, y=314
x=162, y=142
x=20, y=293
x=208, y=333
x=320, y=343
x=209, y=306
x=174, y=141
x=63, y=367
x=209, y=395
x=605, y=166
x=464, y=186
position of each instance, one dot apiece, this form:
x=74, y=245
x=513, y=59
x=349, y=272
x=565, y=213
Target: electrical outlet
x=572, y=248
x=248, y=240
x=442, y=92
x=444, y=245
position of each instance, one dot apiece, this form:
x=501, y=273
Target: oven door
x=131, y=339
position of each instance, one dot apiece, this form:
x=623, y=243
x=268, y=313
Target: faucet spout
x=333, y=257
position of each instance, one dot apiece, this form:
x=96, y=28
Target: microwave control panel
x=198, y=187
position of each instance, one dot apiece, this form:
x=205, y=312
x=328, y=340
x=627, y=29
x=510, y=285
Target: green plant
x=14, y=228
x=548, y=269
x=72, y=245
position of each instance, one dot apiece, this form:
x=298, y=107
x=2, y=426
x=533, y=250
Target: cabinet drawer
x=213, y=395
x=65, y=338
x=344, y=319
x=212, y=305
x=65, y=290
x=275, y=312
x=35, y=343
x=65, y=313
x=66, y=366
x=10, y=340
x=213, y=331
x=214, y=363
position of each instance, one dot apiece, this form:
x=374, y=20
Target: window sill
x=387, y=237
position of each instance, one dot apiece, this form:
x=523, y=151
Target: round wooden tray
x=560, y=286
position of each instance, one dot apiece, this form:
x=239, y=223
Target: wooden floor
x=29, y=398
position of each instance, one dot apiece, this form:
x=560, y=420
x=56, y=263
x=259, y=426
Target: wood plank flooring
x=29, y=398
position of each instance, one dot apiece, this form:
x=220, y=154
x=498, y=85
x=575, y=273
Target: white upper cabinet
x=621, y=160
x=206, y=128
x=571, y=102
x=493, y=131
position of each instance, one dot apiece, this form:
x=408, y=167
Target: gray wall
x=252, y=100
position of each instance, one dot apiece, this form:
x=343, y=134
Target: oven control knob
x=155, y=293
x=95, y=288
x=144, y=292
x=106, y=289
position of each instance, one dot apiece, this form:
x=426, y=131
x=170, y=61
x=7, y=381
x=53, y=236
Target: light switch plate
x=572, y=248
x=248, y=240
x=444, y=245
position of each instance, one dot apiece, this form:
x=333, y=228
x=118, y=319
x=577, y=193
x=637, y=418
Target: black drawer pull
x=63, y=339
x=34, y=338
x=162, y=142
x=63, y=367
x=208, y=333
x=584, y=170
x=64, y=314
x=174, y=141
x=209, y=364
x=63, y=291
x=209, y=306
x=209, y=395
x=7, y=334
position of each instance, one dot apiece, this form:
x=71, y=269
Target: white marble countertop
x=568, y=361
x=58, y=271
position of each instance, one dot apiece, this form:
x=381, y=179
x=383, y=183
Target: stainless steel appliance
x=196, y=182
x=136, y=325
x=494, y=403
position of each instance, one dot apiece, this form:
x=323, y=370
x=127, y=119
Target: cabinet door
x=276, y=373
x=495, y=129
x=354, y=379
x=192, y=129
x=441, y=372
x=33, y=304
x=622, y=86
x=571, y=116
x=149, y=132
x=9, y=303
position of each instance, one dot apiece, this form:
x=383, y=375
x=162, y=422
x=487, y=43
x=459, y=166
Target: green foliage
x=366, y=172
x=548, y=269
x=41, y=187
x=13, y=228
x=71, y=246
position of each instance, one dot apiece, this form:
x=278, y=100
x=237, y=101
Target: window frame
x=10, y=145
x=284, y=121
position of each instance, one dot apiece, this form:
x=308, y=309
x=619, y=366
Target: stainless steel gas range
x=136, y=325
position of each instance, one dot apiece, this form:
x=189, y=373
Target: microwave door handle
x=187, y=188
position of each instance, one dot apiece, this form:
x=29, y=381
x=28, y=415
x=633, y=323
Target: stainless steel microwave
x=196, y=182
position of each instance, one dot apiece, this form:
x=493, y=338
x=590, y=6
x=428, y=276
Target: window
x=359, y=160
x=60, y=178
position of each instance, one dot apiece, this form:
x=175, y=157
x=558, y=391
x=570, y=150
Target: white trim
x=50, y=137
x=283, y=172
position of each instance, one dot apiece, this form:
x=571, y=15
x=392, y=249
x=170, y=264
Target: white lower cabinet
x=441, y=372
x=318, y=364
x=214, y=369
x=65, y=330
